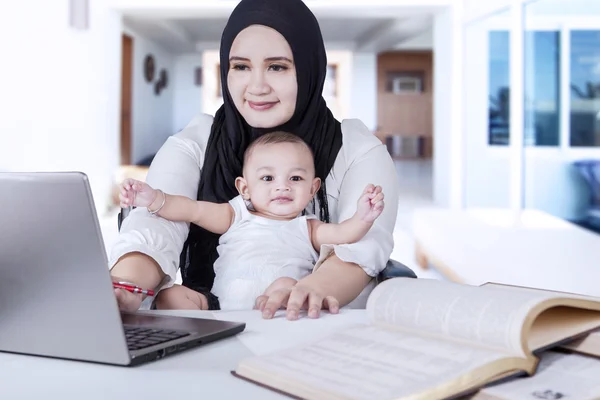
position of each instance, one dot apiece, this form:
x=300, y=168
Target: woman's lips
x=261, y=105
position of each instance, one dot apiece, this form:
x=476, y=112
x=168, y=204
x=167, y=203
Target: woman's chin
x=264, y=119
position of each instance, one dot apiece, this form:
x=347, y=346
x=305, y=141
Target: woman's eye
x=239, y=67
x=267, y=178
x=296, y=178
x=278, y=68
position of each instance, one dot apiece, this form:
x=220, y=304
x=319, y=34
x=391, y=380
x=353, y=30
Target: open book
x=428, y=339
x=588, y=345
x=568, y=376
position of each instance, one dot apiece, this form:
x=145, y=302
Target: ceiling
x=374, y=33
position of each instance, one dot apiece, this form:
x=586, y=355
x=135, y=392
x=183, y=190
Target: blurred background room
x=490, y=109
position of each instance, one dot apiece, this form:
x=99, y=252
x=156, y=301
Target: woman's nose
x=258, y=84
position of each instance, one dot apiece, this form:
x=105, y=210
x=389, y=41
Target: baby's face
x=279, y=179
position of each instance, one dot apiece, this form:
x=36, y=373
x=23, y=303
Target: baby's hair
x=276, y=137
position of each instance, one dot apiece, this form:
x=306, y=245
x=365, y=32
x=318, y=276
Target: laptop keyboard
x=140, y=338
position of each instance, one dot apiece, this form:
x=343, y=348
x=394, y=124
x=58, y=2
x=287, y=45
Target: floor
x=415, y=180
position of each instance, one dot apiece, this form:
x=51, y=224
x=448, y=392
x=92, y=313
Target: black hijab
x=230, y=134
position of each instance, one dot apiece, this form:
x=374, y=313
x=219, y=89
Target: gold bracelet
x=161, y=206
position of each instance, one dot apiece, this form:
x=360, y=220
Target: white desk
x=201, y=373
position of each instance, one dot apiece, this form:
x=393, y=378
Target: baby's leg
x=180, y=298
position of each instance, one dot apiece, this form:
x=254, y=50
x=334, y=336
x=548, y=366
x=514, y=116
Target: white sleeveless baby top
x=255, y=251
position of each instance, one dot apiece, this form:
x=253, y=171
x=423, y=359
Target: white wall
x=422, y=41
x=59, y=90
x=474, y=9
x=152, y=115
x=363, y=89
x=187, y=97
x=447, y=131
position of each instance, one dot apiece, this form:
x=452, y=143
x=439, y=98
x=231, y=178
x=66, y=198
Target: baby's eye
x=267, y=178
x=296, y=178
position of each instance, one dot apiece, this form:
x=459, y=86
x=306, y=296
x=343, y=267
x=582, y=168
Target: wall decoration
x=157, y=88
x=79, y=14
x=163, y=78
x=198, y=76
x=149, y=68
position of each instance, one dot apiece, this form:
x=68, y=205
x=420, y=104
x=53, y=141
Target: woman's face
x=262, y=77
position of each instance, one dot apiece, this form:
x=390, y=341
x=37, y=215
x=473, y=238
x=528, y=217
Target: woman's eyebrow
x=269, y=59
x=236, y=58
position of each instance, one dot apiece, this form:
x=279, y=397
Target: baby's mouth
x=282, y=199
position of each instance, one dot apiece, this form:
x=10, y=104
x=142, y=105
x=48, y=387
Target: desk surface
x=201, y=373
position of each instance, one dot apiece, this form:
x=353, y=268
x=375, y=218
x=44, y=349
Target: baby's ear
x=242, y=187
x=316, y=185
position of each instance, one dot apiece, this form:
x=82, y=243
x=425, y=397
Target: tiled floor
x=415, y=179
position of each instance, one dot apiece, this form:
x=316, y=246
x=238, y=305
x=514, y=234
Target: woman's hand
x=295, y=298
x=179, y=297
x=128, y=301
x=282, y=283
x=139, y=269
x=335, y=283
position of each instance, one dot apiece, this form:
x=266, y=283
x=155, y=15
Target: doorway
x=404, y=103
x=126, y=89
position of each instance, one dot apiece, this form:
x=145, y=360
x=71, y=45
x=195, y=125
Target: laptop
x=56, y=294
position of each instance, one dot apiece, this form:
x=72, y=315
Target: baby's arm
x=213, y=217
x=370, y=206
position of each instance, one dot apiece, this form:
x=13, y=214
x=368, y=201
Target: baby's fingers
x=124, y=201
x=377, y=198
x=379, y=206
x=128, y=183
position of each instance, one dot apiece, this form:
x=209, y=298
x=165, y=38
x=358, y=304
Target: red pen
x=132, y=288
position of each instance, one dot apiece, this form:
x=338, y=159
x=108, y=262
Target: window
x=585, y=88
x=542, y=88
x=499, y=79
x=542, y=83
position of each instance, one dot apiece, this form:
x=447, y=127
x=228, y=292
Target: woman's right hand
x=128, y=301
x=139, y=269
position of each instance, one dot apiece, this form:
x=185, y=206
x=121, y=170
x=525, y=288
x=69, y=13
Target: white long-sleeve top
x=176, y=170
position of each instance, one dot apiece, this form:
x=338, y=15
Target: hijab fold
x=230, y=134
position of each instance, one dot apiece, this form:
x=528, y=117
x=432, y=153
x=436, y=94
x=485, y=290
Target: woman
x=273, y=66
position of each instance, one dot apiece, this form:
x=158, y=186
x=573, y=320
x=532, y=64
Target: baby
x=266, y=242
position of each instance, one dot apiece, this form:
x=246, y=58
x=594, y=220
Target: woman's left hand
x=296, y=298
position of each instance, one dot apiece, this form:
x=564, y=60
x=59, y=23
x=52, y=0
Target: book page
x=589, y=345
x=491, y=315
x=559, y=376
x=369, y=362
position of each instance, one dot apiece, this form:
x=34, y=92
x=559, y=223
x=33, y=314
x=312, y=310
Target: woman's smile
x=262, y=105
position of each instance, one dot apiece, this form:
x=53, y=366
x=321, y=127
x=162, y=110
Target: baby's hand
x=370, y=204
x=136, y=193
